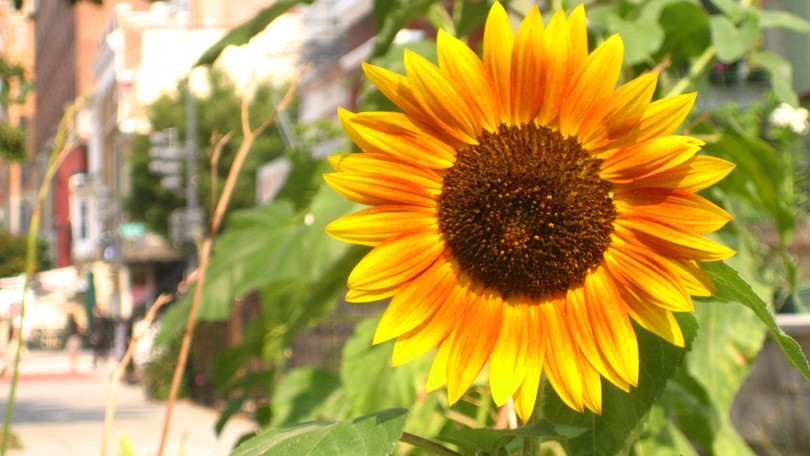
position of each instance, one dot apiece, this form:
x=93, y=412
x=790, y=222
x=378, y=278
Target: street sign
x=185, y=225
x=131, y=230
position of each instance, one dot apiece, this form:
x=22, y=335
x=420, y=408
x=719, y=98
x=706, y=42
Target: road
x=59, y=412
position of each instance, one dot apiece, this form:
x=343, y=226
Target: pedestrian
x=73, y=342
x=100, y=336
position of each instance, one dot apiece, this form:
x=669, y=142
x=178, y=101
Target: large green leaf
x=267, y=245
x=623, y=414
x=490, y=441
x=243, y=33
x=781, y=72
x=732, y=288
x=641, y=37
x=732, y=42
x=306, y=394
x=686, y=31
x=370, y=435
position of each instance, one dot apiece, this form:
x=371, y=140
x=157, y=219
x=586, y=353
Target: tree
x=218, y=112
x=13, y=249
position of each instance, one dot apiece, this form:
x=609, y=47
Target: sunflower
x=524, y=210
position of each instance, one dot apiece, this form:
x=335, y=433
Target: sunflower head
x=523, y=210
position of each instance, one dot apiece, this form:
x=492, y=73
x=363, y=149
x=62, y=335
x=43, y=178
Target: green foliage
x=217, y=113
x=13, y=249
x=370, y=435
x=12, y=143
x=159, y=371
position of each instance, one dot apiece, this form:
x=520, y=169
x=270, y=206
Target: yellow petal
x=595, y=79
x=654, y=319
x=431, y=332
x=672, y=206
x=618, y=113
x=386, y=165
x=473, y=340
x=591, y=388
x=526, y=395
x=394, y=133
x=416, y=301
x=396, y=260
x=578, y=32
x=528, y=71
x=614, y=333
x=437, y=95
x=438, y=370
x=468, y=73
x=397, y=88
x=370, y=295
x=498, y=43
x=669, y=241
x=379, y=189
x=647, y=275
x=376, y=224
x=508, y=364
x=693, y=175
x=695, y=280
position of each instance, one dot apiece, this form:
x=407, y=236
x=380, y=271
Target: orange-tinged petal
x=438, y=96
x=669, y=241
x=647, y=274
x=459, y=64
x=396, y=260
x=431, y=332
x=582, y=330
x=578, y=33
x=660, y=322
x=473, y=340
x=397, y=88
x=695, y=280
x=618, y=113
x=560, y=67
x=416, y=301
x=614, y=333
x=384, y=164
x=593, y=80
x=673, y=207
x=499, y=40
x=648, y=158
x=695, y=174
x=370, y=295
x=562, y=361
x=376, y=224
x=379, y=189
x=528, y=68
x=508, y=364
x=394, y=133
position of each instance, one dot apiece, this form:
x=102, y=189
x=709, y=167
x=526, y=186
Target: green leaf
x=686, y=31
x=732, y=42
x=243, y=33
x=492, y=440
x=781, y=72
x=781, y=19
x=641, y=38
x=623, y=414
x=732, y=288
x=305, y=394
x=392, y=16
x=370, y=381
x=370, y=435
x=472, y=16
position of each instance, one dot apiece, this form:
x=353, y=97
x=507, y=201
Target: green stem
x=427, y=445
x=531, y=445
x=698, y=67
x=59, y=152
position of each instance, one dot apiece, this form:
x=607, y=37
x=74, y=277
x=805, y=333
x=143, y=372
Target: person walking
x=100, y=336
x=73, y=342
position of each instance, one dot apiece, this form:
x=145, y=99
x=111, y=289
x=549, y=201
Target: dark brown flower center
x=525, y=211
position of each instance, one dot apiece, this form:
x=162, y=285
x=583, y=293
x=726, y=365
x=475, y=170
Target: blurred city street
x=62, y=412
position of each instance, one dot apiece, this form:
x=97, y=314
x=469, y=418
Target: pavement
x=61, y=412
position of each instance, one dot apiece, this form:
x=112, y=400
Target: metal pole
x=192, y=199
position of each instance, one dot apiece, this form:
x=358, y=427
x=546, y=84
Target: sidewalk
x=58, y=412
